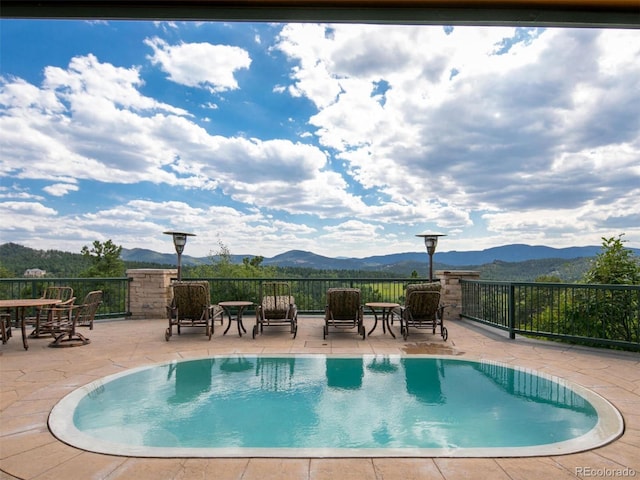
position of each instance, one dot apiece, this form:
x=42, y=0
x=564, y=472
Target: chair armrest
x=443, y=306
x=64, y=307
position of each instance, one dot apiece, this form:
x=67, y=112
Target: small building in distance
x=34, y=273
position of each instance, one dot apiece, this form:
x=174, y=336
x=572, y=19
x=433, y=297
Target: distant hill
x=516, y=253
x=509, y=262
x=149, y=256
x=506, y=253
x=168, y=259
x=516, y=262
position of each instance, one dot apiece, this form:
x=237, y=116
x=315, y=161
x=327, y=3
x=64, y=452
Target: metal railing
x=310, y=293
x=115, y=300
x=590, y=314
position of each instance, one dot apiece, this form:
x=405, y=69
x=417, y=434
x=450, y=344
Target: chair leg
x=73, y=340
x=5, y=318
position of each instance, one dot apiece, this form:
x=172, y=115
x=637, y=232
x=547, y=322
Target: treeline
x=103, y=259
x=566, y=271
x=15, y=259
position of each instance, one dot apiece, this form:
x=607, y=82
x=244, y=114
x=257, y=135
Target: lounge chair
x=422, y=309
x=277, y=308
x=191, y=307
x=343, y=310
x=63, y=320
x=43, y=314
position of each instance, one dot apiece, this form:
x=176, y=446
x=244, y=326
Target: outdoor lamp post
x=179, y=241
x=431, y=241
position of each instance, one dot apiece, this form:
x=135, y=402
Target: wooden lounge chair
x=64, y=320
x=191, y=307
x=43, y=314
x=277, y=308
x=343, y=311
x=422, y=309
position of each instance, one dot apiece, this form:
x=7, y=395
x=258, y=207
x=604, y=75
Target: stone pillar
x=452, y=291
x=149, y=292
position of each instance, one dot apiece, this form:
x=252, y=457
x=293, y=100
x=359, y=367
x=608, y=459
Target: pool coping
x=610, y=425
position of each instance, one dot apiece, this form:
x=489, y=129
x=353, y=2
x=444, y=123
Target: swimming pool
x=331, y=406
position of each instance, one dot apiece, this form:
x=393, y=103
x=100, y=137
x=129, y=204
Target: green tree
x=548, y=279
x=612, y=312
x=105, y=260
x=222, y=266
x=615, y=265
x=5, y=272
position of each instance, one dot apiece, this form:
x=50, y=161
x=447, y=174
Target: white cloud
x=60, y=189
x=200, y=64
x=336, y=134
x=498, y=134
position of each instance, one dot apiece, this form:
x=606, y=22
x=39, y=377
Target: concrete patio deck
x=33, y=381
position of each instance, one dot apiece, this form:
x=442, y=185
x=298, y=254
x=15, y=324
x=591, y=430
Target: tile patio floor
x=32, y=381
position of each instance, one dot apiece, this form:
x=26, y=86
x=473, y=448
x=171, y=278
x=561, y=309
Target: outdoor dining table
x=240, y=305
x=386, y=308
x=20, y=305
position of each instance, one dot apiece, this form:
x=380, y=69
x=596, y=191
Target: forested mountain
x=15, y=259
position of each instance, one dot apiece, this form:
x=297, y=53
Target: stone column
x=149, y=292
x=452, y=291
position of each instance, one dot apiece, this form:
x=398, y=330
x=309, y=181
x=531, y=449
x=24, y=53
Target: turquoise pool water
x=333, y=406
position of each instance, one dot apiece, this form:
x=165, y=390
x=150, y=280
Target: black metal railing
x=115, y=300
x=310, y=293
x=591, y=314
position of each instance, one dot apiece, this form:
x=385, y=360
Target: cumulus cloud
x=322, y=135
x=514, y=128
x=60, y=189
x=200, y=64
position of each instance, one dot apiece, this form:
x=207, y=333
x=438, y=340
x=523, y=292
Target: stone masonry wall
x=452, y=291
x=150, y=292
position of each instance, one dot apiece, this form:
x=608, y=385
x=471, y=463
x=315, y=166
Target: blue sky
x=343, y=140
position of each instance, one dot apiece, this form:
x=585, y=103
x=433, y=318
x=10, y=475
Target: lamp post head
x=179, y=240
x=431, y=240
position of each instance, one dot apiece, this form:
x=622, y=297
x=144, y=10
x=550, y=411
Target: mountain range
x=395, y=261
x=509, y=262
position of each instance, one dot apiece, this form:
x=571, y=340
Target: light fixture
x=431, y=242
x=179, y=241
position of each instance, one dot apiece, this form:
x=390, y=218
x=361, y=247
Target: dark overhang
x=566, y=13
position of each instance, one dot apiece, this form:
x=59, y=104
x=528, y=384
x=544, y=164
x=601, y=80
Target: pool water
x=333, y=406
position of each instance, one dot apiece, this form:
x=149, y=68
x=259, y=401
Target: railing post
x=149, y=292
x=512, y=311
x=452, y=290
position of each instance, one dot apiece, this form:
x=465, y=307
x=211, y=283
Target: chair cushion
x=344, y=303
x=191, y=299
x=423, y=305
x=433, y=287
x=277, y=307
